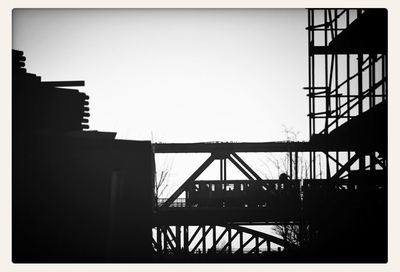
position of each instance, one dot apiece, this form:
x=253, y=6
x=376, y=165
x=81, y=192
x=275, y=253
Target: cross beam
x=250, y=147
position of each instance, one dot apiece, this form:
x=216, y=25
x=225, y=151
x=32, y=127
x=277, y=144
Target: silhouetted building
x=77, y=195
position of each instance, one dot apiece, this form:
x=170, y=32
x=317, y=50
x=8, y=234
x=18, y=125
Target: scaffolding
x=347, y=75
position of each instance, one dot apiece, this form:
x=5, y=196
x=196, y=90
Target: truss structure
x=203, y=239
x=347, y=153
x=347, y=90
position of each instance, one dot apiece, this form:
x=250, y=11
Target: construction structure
x=94, y=197
x=340, y=208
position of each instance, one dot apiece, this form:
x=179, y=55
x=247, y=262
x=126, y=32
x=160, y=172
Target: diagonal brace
x=202, y=239
x=346, y=167
x=248, y=168
x=190, y=180
x=238, y=166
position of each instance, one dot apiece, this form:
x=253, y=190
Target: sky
x=176, y=75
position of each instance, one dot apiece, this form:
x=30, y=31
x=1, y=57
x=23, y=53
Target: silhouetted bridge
x=232, y=204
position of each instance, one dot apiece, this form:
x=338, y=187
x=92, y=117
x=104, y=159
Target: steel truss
x=347, y=94
x=206, y=239
x=253, y=186
x=346, y=81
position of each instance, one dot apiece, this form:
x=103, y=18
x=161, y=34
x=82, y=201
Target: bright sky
x=176, y=75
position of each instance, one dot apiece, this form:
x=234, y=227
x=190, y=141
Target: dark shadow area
x=81, y=196
x=77, y=196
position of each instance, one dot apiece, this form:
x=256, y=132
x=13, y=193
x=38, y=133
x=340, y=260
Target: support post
x=204, y=239
x=229, y=240
x=159, y=240
x=296, y=162
x=178, y=238
x=186, y=238
x=214, y=239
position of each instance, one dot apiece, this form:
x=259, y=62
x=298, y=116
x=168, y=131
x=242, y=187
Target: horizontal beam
x=211, y=216
x=235, y=181
x=247, y=147
x=73, y=83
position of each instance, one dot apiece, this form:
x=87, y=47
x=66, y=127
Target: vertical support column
x=327, y=85
x=360, y=100
x=257, y=245
x=372, y=161
x=159, y=240
x=224, y=161
x=223, y=169
x=348, y=93
x=186, y=238
x=214, y=235
x=372, y=59
x=269, y=246
x=337, y=160
x=311, y=72
x=360, y=90
x=361, y=165
x=290, y=165
x=314, y=168
x=371, y=96
x=311, y=166
x=204, y=239
x=296, y=162
x=347, y=78
x=360, y=83
x=229, y=240
x=328, y=168
x=178, y=238
x=336, y=23
x=337, y=99
x=241, y=242
x=336, y=59
x=311, y=79
x=165, y=236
